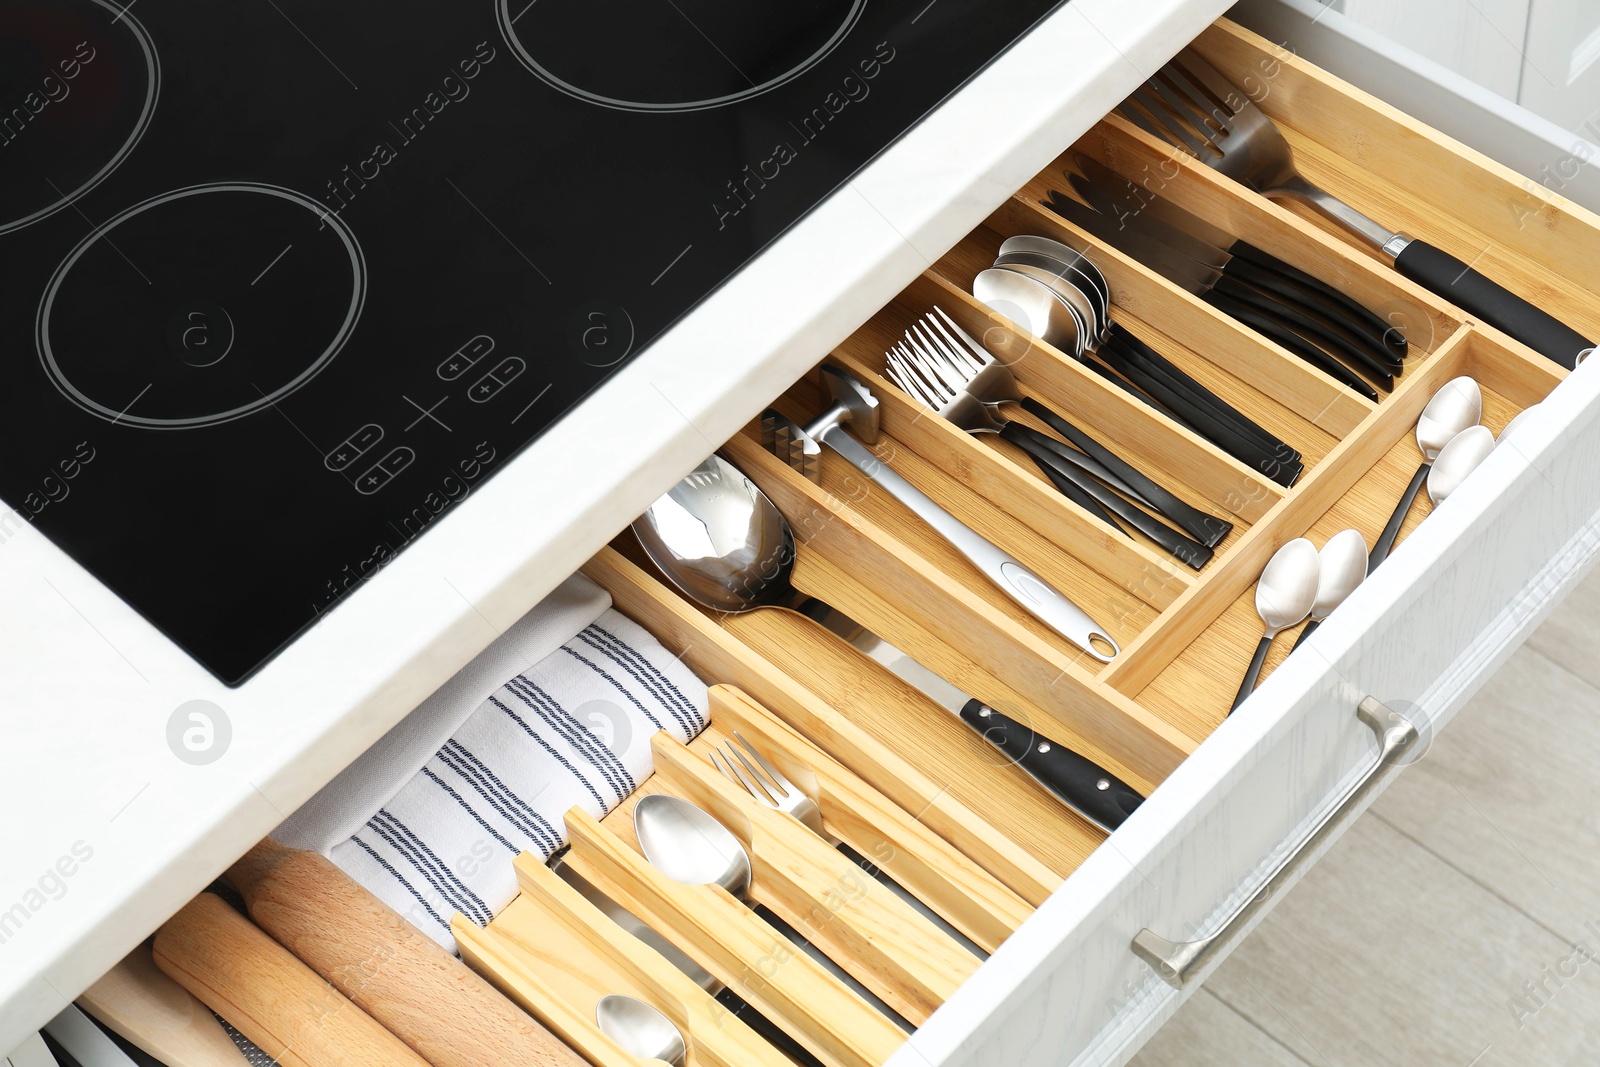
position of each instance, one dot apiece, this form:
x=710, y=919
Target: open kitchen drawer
x=1236, y=804
x=1230, y=799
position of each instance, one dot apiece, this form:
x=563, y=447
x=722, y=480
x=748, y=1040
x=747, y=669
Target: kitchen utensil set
x=1304, y=315
x=942, y=366
x=755, y=569
x=1192, y=105
x=1060, y=296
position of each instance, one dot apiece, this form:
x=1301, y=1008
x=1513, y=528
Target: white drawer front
x=1456, y=599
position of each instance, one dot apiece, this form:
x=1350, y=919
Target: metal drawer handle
x=1177, y=961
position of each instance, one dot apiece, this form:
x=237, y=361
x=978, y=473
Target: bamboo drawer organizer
x=903, y=781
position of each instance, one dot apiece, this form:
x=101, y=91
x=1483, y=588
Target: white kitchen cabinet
x=1457, y=597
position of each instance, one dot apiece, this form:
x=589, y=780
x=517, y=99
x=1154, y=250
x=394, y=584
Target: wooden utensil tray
x=899, y=778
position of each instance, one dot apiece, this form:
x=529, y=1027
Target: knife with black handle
x=1094, y=793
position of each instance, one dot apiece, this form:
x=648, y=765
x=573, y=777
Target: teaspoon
x=1457, y=405
x=1284, y=597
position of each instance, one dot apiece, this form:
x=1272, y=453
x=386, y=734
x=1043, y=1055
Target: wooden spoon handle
x=156, y=1014
x=274, y=999
x=429, y=999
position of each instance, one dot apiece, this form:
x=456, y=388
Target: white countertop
x=106, y=832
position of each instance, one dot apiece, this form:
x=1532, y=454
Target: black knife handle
x=1207, y=529
x=1079, y=783
x=1170, y=371
x=1392, y=336
x=1293, y=296
x=1311, y=330
x=1273, y=330
x=1208, y=424
x=1067, y=487
x=1391, y=529
x=1493, y=303
x=1183, y=548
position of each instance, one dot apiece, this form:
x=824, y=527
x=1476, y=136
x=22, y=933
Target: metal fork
x=1191, y=104
x=765, y=782
x=941, y=365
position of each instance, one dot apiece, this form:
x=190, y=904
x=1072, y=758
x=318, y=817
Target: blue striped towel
x=574, y=729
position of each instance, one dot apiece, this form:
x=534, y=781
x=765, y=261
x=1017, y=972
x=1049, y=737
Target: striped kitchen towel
x=573, y=729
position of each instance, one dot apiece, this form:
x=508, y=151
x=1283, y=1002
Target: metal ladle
x=640, y=1030
x=1284, y=597
x=1457, y=405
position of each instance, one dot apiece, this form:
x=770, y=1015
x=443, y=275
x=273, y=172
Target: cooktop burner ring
x=63, y=380
x=555, y=81
x=65, y=198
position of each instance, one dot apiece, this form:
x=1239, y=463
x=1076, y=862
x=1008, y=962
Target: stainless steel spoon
x=1284, y=597
x=1342, y=566
x=1459, y=458
x=1028, y=301
x=690, y=846
x=640, y=1030
x=1525, y=416
x=1457, y=405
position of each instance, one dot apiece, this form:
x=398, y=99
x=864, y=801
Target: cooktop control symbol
x=382, y=472
x=201, y=306
x=487, y=387
x=354, y=447
x=466, y=357
x=617, y=55
x=78, y=83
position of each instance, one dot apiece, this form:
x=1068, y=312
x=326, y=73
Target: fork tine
x=1172, y=131
x=1137, y=116
x=1211, y=87
x=952, y=329
x=777, y=775
x=1176, y=99
x=939, y=361
x=756, y=787
x=778, y=791
x=912, y=380
x=964, y=359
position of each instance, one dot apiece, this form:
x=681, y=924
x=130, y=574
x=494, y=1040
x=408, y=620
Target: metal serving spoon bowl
x=1285, y=595
x=1458, y=459
x=689, y=846
x=1525, y=416
x=720, y=540
x=640, y=1029
x=1457, y=405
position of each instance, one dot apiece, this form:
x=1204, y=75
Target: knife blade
x=1208, y=283
x=1111, y=194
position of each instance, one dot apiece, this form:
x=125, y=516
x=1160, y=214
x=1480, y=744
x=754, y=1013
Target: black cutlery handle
x=1207, y=529
x=1180, y=379
x=1311, y=628
x=1493, y=303
x=1282, y=467
x=1258, y=661
x=1310, y=306
x=774, y=1034
x=1390, y=336
x=1391, y=529
x=1274, y=330
x=1183, y=548
x=1068, y=488
x=1079, y=783
x=1330, y=341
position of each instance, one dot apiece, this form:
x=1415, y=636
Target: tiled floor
x=1458, y=923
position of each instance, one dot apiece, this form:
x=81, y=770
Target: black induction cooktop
x=282, y=281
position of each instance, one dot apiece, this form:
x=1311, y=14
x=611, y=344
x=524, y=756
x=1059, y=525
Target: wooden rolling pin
x=159, y=1016
x=429, y=999
x=271, y=997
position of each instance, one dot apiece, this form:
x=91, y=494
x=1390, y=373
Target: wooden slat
x=743, y=952
x=937, y=873
x=887, y=733
x=857, y=921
